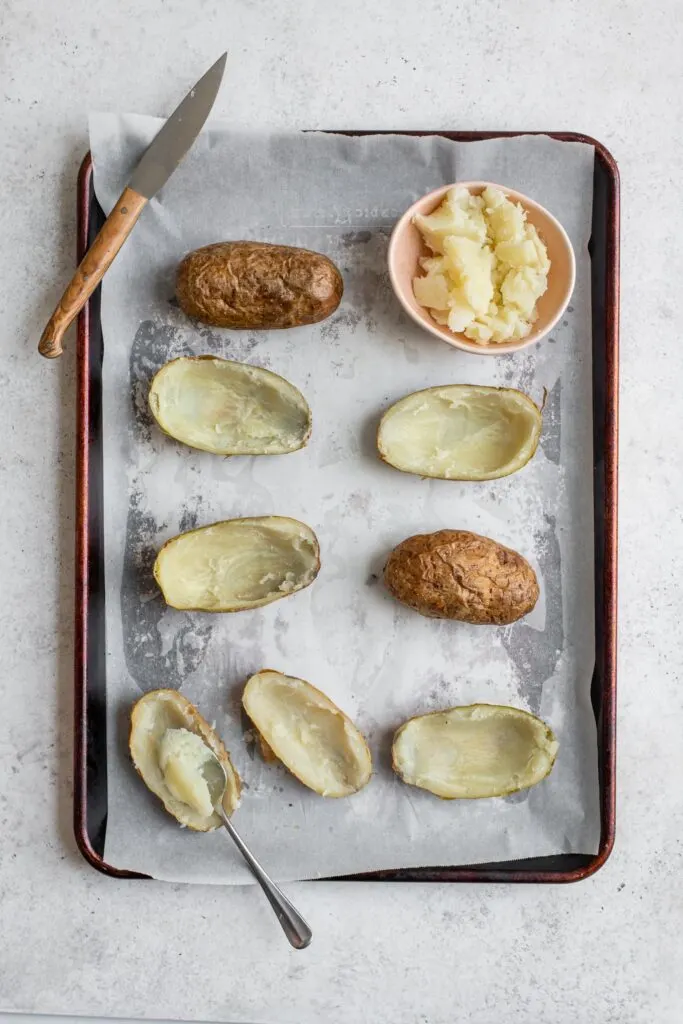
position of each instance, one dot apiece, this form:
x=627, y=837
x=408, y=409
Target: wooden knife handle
x=96, y=261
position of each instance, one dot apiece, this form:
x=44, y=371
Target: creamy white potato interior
x=483, y=750
x=237, y=564
x=312, y=737
x=229, y=408
x=488, y=266
x=181, y=756
x=460, y=432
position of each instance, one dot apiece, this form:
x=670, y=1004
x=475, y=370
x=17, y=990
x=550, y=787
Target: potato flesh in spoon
x=460, y=432
x=182, y=755
x=167, y=742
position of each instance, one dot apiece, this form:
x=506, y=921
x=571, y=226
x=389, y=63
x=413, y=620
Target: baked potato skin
x=257, y=286
x=455, y=574
x=196, y=723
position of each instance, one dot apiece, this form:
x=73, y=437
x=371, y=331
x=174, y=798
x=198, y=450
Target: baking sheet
x=381, y=662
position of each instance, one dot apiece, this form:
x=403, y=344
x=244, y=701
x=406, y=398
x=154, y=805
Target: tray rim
x=607, y=719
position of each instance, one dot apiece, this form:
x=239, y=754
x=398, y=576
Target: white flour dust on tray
x=379, y=661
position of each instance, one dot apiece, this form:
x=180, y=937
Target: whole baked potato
x=258, y=286
x=455, y=574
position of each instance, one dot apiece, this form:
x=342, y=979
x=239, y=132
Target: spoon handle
x=291, y=921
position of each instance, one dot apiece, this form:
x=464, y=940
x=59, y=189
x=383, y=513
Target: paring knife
x=158, y=163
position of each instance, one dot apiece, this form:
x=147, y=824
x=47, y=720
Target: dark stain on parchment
x=151, y=659
x=519, y=371
x=143, y=607
x=352, y=238
x=346, y=320
x=551, y=436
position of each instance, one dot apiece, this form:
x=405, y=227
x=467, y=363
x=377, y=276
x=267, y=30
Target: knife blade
x=156, y=165
x=175, y=137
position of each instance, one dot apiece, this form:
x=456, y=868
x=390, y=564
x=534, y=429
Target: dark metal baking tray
x=90, y=748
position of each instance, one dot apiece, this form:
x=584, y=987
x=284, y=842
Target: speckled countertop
x=72, y=941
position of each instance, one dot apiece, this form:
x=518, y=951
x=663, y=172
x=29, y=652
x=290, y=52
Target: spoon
x=293, y=925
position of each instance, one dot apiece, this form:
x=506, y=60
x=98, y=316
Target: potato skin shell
x=269, y=755
x=382, y=453
x=507, y=791
x=213, y=359
x=226, y=611
x=256, y=285
x=213, y=741
x=455, y=574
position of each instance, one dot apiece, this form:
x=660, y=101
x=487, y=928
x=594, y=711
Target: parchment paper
x=381, y=662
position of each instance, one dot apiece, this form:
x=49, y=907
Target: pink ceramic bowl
x=406, y=246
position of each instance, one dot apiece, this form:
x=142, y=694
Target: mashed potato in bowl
x=488, y=266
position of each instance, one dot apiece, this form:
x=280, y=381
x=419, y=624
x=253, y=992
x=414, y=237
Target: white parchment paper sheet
x=381, y=662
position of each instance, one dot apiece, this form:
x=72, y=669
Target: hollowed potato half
x=305, y=730
x=237, y=564
x=229, y=408
x=151, y=718
x=460, y=432
x=465, y=753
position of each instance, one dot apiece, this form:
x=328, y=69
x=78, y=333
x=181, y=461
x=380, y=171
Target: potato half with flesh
x=455, y=574
x=237, y=564
x=258, y=286
x=158, y=717
x=460, y=432
x=229, y=408
x=305, y=730
x=466, y=753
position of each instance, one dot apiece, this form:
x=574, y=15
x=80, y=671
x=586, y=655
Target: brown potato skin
x=455, y=574
x=258, y=286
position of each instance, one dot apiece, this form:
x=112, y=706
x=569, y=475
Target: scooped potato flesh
x=182, y=755
x=483, y=750
x=305, y=730
x=488, y=269
x=460, y=432
x=229, y=408
x=237, y=564
x=167, y=761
